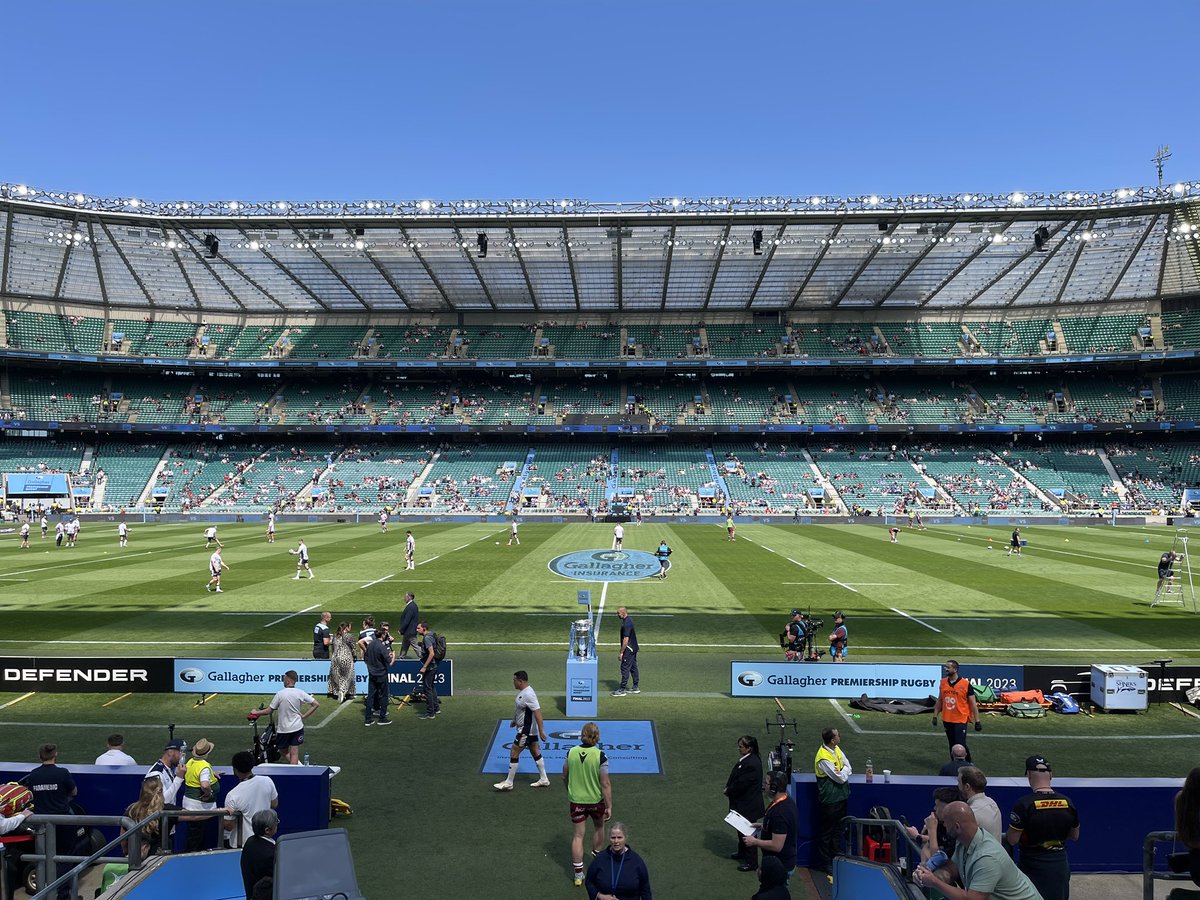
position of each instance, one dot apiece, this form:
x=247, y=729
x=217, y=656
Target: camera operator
x=798, y=637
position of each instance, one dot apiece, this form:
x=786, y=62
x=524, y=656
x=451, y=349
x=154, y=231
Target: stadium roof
x=897, y=255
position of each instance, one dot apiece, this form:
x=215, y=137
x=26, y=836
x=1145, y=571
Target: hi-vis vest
x=828, y=790
x=191, y=778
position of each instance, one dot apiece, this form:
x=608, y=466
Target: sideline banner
x=834, y=680
x=265, y=676
x=85, y=675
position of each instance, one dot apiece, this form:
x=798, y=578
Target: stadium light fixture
x=1040, y=236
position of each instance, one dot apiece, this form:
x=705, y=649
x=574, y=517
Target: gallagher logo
x=606, y=565
x=750, y=679
x=191, y=676
x=566, y=735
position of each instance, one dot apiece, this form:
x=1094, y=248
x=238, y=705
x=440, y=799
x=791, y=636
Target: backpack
x=1026, y=709
x=439, y=647
x=1063, y=703
x=14, y=798
x=878, y=833
x=983, y=693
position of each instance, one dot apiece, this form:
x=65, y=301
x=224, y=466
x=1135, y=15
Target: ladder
x=1177, y=589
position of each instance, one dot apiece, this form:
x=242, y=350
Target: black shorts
x=526, y=740
x=290, y=739
x=1164, y=573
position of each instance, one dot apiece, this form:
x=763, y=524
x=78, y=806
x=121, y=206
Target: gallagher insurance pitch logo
x=606, y=565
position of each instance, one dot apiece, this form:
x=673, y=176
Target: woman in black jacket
x=745, y=792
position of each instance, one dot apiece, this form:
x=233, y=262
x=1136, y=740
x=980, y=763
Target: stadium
x=803, y=370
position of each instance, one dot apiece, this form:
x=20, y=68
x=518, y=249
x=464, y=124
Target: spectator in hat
x=199, y=793
x=115, y=755
x=169, y=770
x=1040, y=824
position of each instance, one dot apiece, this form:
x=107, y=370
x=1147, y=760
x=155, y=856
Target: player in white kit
x=410, y=552
x=618, y=536
x=301, y=554
x=215, y=565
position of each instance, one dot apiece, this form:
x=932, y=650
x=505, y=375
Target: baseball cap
x=1037, y=764
x=173, y=745
x=796, y=612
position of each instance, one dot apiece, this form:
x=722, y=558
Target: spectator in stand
x=149, y=802
x=971, y=784
x=252, y=794
x=258, y=854
x=1187, y=826
x=985, y=870
x=958, y=759
x=115, y=755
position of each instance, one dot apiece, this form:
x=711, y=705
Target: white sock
x=541, y=764
x=512, y=773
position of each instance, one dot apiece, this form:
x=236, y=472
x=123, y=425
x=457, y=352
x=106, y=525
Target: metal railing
x=895, y=833
x=45, y=828
x=1149, y=875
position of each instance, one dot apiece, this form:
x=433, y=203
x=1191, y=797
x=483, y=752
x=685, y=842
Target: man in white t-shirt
x=122, y=535
x=410, y=552
x=24, y=535
x=289, y=728
x=270, y=527
x=527, y=719
x=210, y=537
x=301, y=554
x=618, y=536
x=512, y=534
x=383, y=520
x=251, y=794
x=215, y=565
x=45, y=525
x=115, y=755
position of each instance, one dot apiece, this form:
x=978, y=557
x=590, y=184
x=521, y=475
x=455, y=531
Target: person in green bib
x=589, y=793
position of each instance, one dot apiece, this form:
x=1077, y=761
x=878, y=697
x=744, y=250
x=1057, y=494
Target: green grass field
x=424, y=812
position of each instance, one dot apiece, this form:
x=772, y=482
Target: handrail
x=893, y=826
x=47, y=847
x=1149, y=875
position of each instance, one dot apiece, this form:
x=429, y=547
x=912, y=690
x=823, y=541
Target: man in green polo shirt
x=980, y=864
x=589, y=793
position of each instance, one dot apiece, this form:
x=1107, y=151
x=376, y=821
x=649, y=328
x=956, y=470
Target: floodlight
x=213, y=245
x=757, y=241
x=481, y=240
x=1040, y=236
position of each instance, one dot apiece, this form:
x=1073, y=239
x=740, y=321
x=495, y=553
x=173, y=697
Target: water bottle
x=306, y=759
x=870, y=771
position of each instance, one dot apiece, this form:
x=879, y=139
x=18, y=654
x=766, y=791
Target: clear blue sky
x=605, y=101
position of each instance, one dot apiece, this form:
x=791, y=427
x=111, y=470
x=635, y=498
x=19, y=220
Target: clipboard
x=744, y=826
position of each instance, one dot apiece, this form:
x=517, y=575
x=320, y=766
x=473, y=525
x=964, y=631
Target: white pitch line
x=377, y=581
x=463, y=547
x=901, y=612
x=641, y=615
x=859, y=583
x=293, y=615
x=939, y=618
x=600, y=611
x=845, y=715
x=431, y=559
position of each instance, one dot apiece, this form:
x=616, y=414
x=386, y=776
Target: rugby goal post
x=1178, y=589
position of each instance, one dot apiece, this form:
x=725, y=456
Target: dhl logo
x=1050, y=804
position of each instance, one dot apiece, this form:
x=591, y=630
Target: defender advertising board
x=85, y=675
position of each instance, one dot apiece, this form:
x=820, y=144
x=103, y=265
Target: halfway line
x=901, y=612
x=378, y=581
x=293, y=615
